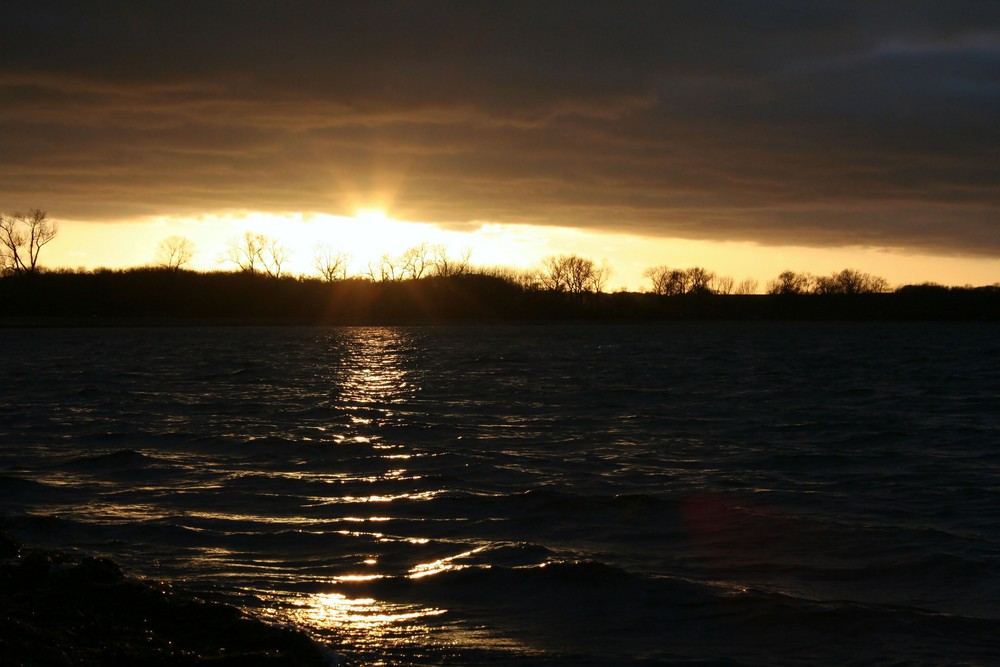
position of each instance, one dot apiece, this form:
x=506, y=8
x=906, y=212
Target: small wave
x=516, y=555
x=100, y=437
x=19, y=493
x=489, y=580
x=116, y=459
x=14, y=484
x=586, y=572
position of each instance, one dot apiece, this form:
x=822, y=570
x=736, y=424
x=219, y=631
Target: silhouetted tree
x=570, y=273
x=660, y=277
x=414, y=262
x=247, y=252
x=724, y=285
x=672, y=282
x=275, y=256
x=174, y=252
x=699, y=280
x=747, y=286
x=879, y=285
x=383, y=270
x=22, y=238
x=554, y=274
x=850, y=281
x=444, y=265
x=257, y=253
x=331, y=264
x=789, y=282
x=599, y=277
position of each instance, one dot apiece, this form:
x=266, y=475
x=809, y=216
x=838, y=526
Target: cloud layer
x=778, y=122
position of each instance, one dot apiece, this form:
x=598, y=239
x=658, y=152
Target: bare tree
x=275, y=255
x=22, y=238
x=850, y=281
x=570, y=273
x=678, y=282
x=247, y=252
x=826, y=285
x=789, y=282
x=553, y=274
x=257, y=253
x=747, y=286
x=530, y=280
x=878, y=284
x=668, y=281
x=414, y=262
x=444, y=265
x=384, y=270
x=600, y=276
x=659, y=276
x=331, y=264
x=577, y=271
x=699, y=280
x=174, y=252
x=723, y=285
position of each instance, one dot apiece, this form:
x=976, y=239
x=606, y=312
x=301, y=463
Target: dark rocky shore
x=60, y=609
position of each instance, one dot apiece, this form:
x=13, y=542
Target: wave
x=121, y=458
x=21, y=495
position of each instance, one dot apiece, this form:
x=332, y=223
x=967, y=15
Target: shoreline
x=60, y=609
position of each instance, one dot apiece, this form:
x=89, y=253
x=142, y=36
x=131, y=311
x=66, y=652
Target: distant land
x=159, y=296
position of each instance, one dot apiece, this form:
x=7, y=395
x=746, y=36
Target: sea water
x=745, y=494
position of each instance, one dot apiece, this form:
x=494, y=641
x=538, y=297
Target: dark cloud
x=778, y=122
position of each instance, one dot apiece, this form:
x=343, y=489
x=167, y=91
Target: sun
x=372, y=215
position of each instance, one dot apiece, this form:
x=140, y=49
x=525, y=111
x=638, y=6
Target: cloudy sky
x=845, y=128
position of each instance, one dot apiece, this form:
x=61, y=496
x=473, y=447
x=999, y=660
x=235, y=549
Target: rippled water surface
x=534, y=495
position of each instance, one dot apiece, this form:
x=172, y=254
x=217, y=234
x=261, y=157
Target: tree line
x=254, y=255
x=156, y=294
x=22, y=237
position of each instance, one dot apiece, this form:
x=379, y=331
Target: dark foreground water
x=534, y=495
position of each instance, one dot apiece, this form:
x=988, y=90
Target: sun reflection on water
x=362, y=613
x=386, y=630
x=364, y=621
x=443, y=564
x=376, y=380
x=377, y=372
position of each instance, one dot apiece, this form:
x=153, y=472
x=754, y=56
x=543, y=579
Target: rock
x=9, y=547
x=58, y=610
x=98, y=570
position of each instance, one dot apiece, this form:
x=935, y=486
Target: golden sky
x=744, y=136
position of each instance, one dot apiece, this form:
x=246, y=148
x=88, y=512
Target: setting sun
x=372, y=215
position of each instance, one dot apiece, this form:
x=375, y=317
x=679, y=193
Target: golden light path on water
x=376, y=377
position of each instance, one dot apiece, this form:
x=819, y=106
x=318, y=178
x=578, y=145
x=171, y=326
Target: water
x=534, y=495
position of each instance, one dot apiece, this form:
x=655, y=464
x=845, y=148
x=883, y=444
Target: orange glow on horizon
x=371, y=232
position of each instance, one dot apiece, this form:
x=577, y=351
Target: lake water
x=744, y=494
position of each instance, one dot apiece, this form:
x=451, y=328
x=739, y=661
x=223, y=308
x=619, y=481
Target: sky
x=745, y=136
